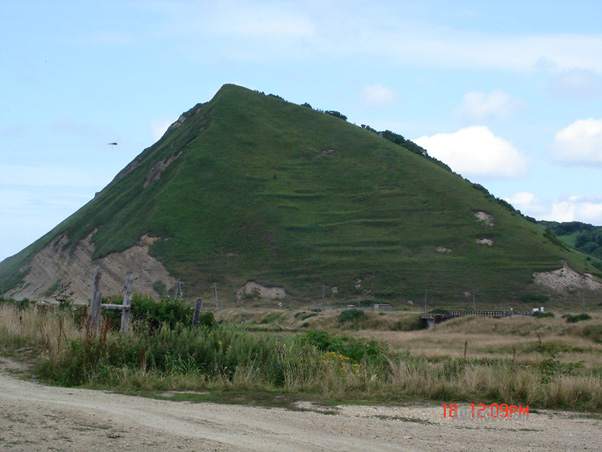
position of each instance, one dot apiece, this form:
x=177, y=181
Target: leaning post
x=197, y=312
x=127, y=303
x=95, y=299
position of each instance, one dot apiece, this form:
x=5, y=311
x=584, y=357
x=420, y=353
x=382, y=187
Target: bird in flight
x=112, y=144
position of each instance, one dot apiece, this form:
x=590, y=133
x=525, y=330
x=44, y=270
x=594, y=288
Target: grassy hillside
x=257, y=188
x=584, y=237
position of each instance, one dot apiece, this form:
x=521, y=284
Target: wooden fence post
x=95, y=299
x=197, y=312
x=127, y=303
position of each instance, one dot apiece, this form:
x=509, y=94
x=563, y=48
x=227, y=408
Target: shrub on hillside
x=351, y=315
x=570, y=318
x=336, y=114
x=543, y=314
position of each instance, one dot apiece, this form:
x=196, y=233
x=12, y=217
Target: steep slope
x=249, y=187
x=584, y=237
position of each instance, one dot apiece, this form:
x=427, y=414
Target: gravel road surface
x=35, y=417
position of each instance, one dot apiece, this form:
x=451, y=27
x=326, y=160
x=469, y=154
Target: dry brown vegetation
x=543, y=362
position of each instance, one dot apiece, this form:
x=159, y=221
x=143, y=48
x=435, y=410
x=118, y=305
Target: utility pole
x=583, y=294
x=179, y=292
x=198, y=306
x=214, y=287
x=95, y=301
x=127, y=303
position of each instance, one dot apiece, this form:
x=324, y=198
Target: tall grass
x=25, y=326
x=227, y=357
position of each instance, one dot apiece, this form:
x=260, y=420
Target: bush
x=410, y=323
x=570, y=318
x=543, y=314
x=207, y=319
x=336, y=114
x=153, y=314
x=366, y=303
x=351, y=315
x=217, y=353
x=355, y=350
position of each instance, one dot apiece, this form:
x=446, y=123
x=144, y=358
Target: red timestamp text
x=486, y=411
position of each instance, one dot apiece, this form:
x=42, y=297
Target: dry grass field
x=327, y=356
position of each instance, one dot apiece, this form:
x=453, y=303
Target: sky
x=508, y=94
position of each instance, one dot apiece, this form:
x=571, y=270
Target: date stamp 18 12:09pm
x=483, y=411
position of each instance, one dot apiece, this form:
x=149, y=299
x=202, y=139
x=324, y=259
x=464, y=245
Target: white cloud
x=476, y=151
x=378, y=95
x=562, y=211
x=580, y=142
x=477, y=106
x=576, y=84
x=159, y=126
x=577, y=209
x=571, y=208
x=526, y=202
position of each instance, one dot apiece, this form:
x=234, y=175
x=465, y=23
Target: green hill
x=584, y=237
x=251, y=187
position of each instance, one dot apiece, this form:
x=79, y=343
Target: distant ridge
x=273, y=200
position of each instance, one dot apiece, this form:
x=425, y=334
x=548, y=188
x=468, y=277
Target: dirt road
x=34, y=417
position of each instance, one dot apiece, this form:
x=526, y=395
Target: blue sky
x=509, y=94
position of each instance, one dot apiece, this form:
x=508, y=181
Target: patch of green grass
x=305, y=315
x=271, y=318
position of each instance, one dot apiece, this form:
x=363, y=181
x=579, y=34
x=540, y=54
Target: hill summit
x=271, y=199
